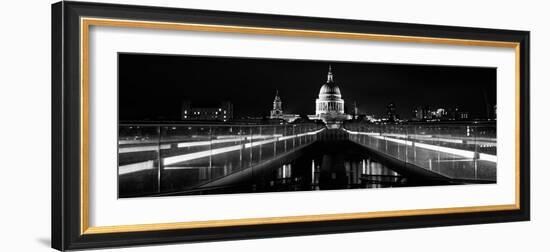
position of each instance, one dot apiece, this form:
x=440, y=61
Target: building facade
x=223, y=113
x=425, y=113
x=329, y=106
x=391, y=114
x=277, y=111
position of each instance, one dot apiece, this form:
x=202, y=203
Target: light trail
x=221, y=139
x=135, y=167
x=217, y=151
x=143, y=148
x=454, y=151
x=124, y=169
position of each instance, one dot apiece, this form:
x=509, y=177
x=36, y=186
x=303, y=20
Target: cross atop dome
x=330, y=78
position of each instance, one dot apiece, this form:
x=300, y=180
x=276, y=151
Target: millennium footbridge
x=179, y=159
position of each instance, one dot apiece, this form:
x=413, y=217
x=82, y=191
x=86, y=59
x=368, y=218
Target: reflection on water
x=327, y=172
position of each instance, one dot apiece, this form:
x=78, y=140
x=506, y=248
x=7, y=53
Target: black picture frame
x=66, y=126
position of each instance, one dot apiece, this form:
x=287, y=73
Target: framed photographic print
x=179, y=125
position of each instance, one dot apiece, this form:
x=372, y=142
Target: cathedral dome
x=328, y=90
x=329, y=107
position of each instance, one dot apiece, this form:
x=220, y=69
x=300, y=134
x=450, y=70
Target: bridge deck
x=155, y=166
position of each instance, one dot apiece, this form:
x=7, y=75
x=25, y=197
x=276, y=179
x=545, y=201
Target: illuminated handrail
x=461, y=152
x=215, y=146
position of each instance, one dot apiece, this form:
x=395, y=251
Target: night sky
x=152, y=87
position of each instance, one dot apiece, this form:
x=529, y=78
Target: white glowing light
x=143, y=148
x=125, y=169
x=313, y=171
x=202, y=143
x=454, y=151
x=202, y=154
x=225, y=139
x=448, y=139
x=130, y=168
x=487, y=157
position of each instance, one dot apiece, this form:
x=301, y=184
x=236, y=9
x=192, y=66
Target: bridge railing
x=456, y=151
x=166, y=158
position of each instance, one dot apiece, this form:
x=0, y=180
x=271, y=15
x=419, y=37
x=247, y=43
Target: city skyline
x=152, y=87
x=188, y=136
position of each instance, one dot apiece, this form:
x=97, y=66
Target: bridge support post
x=159, y=159
x=276, y=140
x=260, y=157
x=209, y=175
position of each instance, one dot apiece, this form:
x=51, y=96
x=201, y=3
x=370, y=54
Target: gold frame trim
x=85, y=24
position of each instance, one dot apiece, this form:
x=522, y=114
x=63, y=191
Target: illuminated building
x=424, y=113
x=222, y=113
x=463, y=115
x=459, y=114
x=355, y=111
x=329, y=107
x=391, y=115
x=421, y=113
x=277, y=111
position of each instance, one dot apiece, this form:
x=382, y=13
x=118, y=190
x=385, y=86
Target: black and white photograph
x=198, y=125
x=274, y=126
